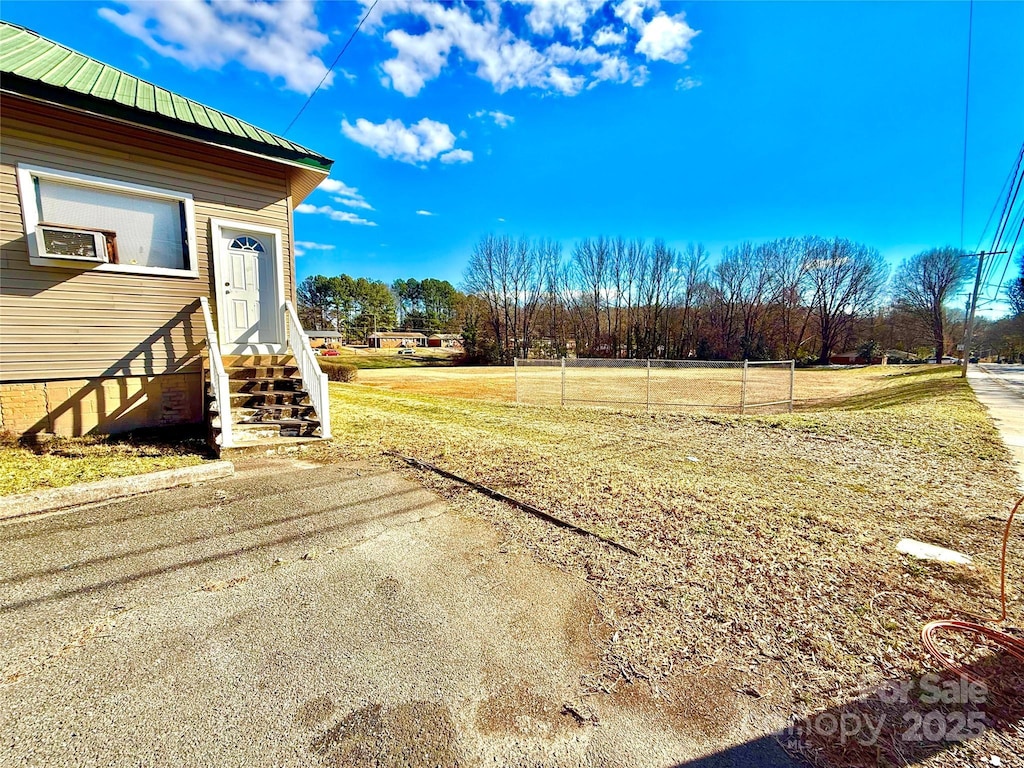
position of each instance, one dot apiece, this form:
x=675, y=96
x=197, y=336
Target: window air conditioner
x=74, y=244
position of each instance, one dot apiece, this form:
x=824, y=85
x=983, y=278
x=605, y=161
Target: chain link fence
x=662, y=385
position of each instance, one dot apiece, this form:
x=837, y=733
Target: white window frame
x=30, y=216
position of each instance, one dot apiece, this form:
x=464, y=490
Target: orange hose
x=1012, y=645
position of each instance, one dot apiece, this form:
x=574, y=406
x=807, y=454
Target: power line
x=1008, y=208
x=335, y=63
x=1009, y=255
x=995, y=204
x=1005, y=216
x=967, y=107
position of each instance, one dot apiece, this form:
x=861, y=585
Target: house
x=855, y=358
x=445, y=340
x=325, y=338
x=392, y=339
x=147, y=273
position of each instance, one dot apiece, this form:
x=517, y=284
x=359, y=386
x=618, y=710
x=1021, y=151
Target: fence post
x=648, y=385
x=515, y=369
x=743, y=390
x=792, y=376
x=563, y=382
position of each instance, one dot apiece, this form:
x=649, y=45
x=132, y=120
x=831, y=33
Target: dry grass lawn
x=813, y=387
x=67, y=461
x=768, y=542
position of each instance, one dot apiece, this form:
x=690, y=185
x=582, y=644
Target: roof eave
x=304, y=177
x=62, y=97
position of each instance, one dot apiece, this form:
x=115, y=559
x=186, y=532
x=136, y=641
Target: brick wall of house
x=75, y=407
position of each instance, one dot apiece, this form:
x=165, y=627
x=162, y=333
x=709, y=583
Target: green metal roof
x=34, y=66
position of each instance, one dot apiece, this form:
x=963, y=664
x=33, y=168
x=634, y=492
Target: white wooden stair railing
x=219, y=385
x=314, y=380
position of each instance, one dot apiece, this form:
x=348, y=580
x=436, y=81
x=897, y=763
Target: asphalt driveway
x=294, y=615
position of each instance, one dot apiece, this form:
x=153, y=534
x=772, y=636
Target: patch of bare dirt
x=417, y=734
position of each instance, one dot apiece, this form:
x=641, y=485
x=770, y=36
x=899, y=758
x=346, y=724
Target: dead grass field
x=66, y=461
x=768, y=542
x=813, y=388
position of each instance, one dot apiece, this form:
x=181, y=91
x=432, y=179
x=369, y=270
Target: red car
x=327, y=352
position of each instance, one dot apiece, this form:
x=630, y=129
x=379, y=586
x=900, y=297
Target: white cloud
x=344, y=194
x=425, y=213
x=608, y=36
x=337, y=187
x=666, y=38
x=420, y=58
x=353, y=202
x=500, y=219
x=418, y=143
x=302, y=247
x=549, y=50
x=547, y=16
x=632, y=11
x=617, y=70
x=334, y=214
x=688, y=83
x=280, y=40
x=500, y=119
x=457, y=156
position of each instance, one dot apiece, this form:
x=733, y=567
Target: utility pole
x=969, y=328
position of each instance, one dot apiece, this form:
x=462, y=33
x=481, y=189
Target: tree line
x=805, y=298
x=357, y=306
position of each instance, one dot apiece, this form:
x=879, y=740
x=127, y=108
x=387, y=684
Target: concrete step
x=269, y=445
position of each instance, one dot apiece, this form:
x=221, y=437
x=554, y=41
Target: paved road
x=1000, y=388
x=1009, y=376
x=303, y=615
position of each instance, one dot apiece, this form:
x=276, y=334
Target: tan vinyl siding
x=64, y=323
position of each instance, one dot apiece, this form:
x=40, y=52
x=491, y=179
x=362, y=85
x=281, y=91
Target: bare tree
x=727, y=286
x=846, y=279
x=791, y=315
x=1015, y=292
x=693, y=268
x=924, y=284
x=657, y=289
x=505, y=274
x=590, y=268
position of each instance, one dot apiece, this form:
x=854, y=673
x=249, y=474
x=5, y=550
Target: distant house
x=393, y=339
x=325, y=337
x=147, y=256
x=445, y=340
x=855, y=358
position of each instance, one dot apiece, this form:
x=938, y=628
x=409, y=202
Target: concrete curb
x=102, y=490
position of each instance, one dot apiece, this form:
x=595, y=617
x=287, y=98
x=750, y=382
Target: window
x=247, y=244
x=71, y=219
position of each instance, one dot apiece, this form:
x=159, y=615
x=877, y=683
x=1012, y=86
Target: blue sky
x=715, y=122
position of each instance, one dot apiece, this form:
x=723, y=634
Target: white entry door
x=247, y=288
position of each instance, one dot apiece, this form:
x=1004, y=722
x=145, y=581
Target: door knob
x=227, y=284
